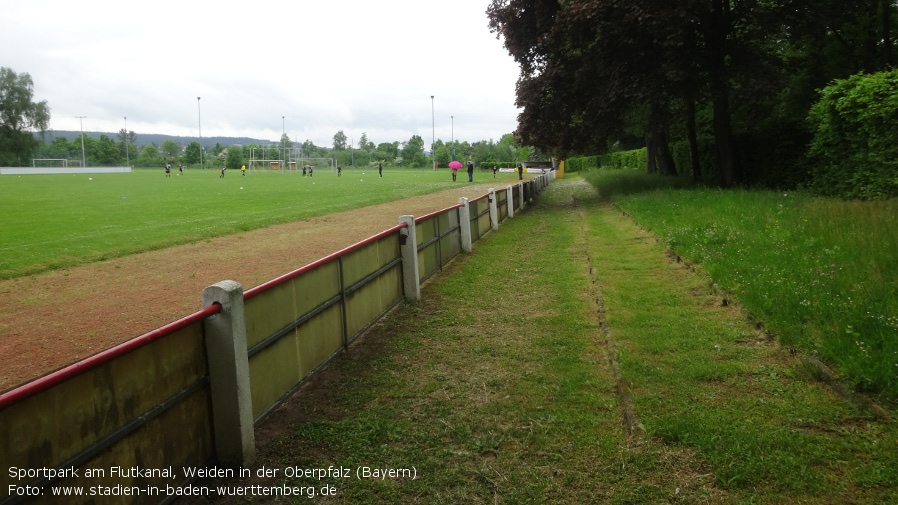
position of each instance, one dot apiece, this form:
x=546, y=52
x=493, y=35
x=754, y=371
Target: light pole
x=127, y=153
x=453, y=137
x=199, y=116
x=83, y=159
x=433, y=136
x=284, y=140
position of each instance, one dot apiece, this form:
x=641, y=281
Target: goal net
x=265, y=164
x=318, y=163
x=51, y=162
x=290, y=158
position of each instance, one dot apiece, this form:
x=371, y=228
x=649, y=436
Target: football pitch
x=57, y=221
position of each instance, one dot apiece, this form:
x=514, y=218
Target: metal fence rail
x=142, y=403
x=188, y=394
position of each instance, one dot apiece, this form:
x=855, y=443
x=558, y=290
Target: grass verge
x=819, y=273
x=498, y=387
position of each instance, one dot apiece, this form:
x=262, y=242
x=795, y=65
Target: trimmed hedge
x=855, y=145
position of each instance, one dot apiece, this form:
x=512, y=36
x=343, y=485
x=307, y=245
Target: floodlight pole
x=284, y=142
x=83, y=159
x=433, y=136
x=127, y=154
x=199, y=116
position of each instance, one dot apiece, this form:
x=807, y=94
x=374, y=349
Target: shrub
x=854, y=153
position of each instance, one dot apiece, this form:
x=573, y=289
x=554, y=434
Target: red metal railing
x=52, y=379
x=436, y=213
x=249, y=293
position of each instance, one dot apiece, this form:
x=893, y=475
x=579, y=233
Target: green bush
x=854, y=152
x=581, y=163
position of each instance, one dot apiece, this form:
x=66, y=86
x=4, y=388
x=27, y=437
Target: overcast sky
x=324, y=65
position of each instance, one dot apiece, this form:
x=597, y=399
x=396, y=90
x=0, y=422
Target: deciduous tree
x=340, y=141
x=20, y=116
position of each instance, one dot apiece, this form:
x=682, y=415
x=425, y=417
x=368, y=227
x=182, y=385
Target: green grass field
x=57, y=221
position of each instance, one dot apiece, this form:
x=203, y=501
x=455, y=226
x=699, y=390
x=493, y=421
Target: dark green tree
x=105, y=151
x=365, y=144
x=149, y=155
x=192, y=153
x=234, y=157
x=340, y=141
x=740, y=74
x=390, y=149
x=20, y=117
x=171, y=149
x=126, y=143
x=413, y=152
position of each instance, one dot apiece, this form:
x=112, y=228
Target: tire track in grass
x=630, y=417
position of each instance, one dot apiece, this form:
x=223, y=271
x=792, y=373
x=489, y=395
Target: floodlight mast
x=433, y=137
x=127, y=154
x=83, y=158
x=200, y=120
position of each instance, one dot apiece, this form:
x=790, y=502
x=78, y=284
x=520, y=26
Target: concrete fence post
x=464, y=221
x=509, y=200
x=232, y=409
x=521, y=196
x=408, y=249
x=494, y=210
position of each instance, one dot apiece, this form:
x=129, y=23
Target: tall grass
x=821, y=274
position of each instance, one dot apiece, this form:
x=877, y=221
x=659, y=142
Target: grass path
x=570, y=360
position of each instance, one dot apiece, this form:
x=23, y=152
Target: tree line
x=123, y=150
x=20, y=116
x=732, y=84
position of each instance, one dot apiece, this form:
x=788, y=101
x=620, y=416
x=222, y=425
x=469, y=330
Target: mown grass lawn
x=57, y=221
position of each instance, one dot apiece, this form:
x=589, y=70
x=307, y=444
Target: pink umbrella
x=455, y=164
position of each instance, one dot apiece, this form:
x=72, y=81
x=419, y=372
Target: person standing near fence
x=520, y=171
x=470, y=171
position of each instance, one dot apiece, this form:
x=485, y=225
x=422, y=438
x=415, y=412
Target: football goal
x=50, y=162
x=318, y=163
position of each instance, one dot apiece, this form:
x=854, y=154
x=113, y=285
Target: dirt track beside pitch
x=50, y=320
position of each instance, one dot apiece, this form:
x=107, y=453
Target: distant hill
x=157, y=139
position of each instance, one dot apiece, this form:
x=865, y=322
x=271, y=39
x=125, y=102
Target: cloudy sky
x=307, y=67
